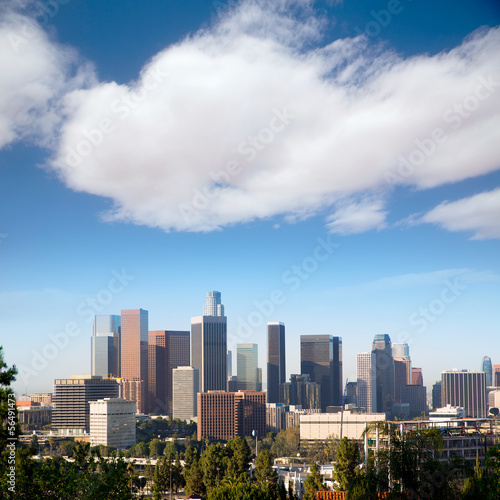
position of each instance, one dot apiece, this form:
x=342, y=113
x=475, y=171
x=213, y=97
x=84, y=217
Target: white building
x=447, y=413
x=185, y=387
x=494, y=398
x=323, y=425
x=366, y=394
x=112, y=422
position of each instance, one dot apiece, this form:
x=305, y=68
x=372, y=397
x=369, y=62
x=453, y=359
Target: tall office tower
x=168, y=349
x=366, y=396
x=487, y=368
x=416, y=396
x=134, y=350
x=465, y=389
x=209, y=345
x=71, y=412
x=384, y=366
x=496, y=375
x=401, y=351
x=276, y=363
x=301, y=391
x=105, y=346
x=351, y=390
x=247, y=372
x=213, y=305
x=186, y=383
x=229, y=364
x=321, y=359
x=436, y=395
x=416, y=376
x=401, y=377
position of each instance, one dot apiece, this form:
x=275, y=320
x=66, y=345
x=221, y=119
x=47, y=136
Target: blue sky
x=331, y=165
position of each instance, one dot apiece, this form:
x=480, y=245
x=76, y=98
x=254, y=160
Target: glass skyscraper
x=209, y=345
x=366, y=396
x=487, y=368
x=384, y=366
x=276, y=369
x=247, y=356
x=105, y=346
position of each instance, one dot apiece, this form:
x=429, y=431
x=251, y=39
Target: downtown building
x=247, y=371
x=71, y=412
x=487, y=368
x=300, y=391
x=465, y=389
x=167, y=350
x=224, y=415
x=186, y=384
x=366, y=396
x=105, y=346
x=134, y=351
x=209, y=344
x=321, y=359
x=276, y=362
x=384, y=368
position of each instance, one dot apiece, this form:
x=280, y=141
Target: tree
x=238, y=456
x=212, y=466
x=242, y=491
x=313, y=482
x=264, y=468
x=286, y=443
x=346, y=464
x=154, y=448
x=193, y=476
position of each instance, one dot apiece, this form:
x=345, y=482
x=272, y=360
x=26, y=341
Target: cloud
x=357, y=217
x=39, y=73
x=479, y=213
x=256, y=117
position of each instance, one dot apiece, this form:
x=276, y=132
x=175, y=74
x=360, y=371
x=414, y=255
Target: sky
x=332, y=165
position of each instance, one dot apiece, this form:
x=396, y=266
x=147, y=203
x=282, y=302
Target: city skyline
x=140, y=167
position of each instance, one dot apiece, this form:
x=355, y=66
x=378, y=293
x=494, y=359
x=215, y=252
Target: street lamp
x=254, y=433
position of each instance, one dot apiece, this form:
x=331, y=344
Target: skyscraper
x=209, y=345
x=416, y=376
x=436, y=395
x=185, y=389
x=366, y=396
x=134, y=349
x=496, y=375
x=487, y=368
x=229, y=364
x=301, y=391
x=401, y=351
x=384, y=365
x=213, y=305
x=402, y=376
x=465, y=389
x=247, y=373
x=105, y=346
x=167, y=350
x=321, y=359
x=276, y=369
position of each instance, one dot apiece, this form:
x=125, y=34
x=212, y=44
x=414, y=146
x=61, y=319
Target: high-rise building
x=224, y=415
x=496, y=375
x=384, y=366
x=132, y=390
x=134, y=349
x=321, y=359
x=229, y=364
x=416, y=396
x=301, y=391
x=401, y=351
x=105, y=346
x=402, y=376
x=366, y=396
x=465, y=389
x=436, y=395
x=185, y=389
x=213, y=305
x=112, y=423
x=168, y=349
x=276, y=362
x=71, y=413
x=209, y=345
x=487, y=368
x=416, y=376
x=247, y=357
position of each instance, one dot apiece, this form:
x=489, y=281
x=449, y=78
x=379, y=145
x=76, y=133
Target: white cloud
x=479, y=213
x=244, y=120
x=359, y=217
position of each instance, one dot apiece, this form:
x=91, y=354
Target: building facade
x=384, y=367
x=134, y=350
x=465, y=389
x=417, y=377
x=321, y=359
x=276, y=362
x=186, y=385
x=300, y=391
x=436, y=395
x=366, y=396
x=71, y=412
x=247, y=370
x=112, y=423
x=487, y=368
x=105, y=346
x=416, y=397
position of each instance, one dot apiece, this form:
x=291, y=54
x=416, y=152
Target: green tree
x=237, y=457
x=286, y=443
x=193, y=476
x=243, y=491
x=347, y=464
x=313, y=482
x=212, y=466
x=154, y=448
x=264, y=468
x=162, y=475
